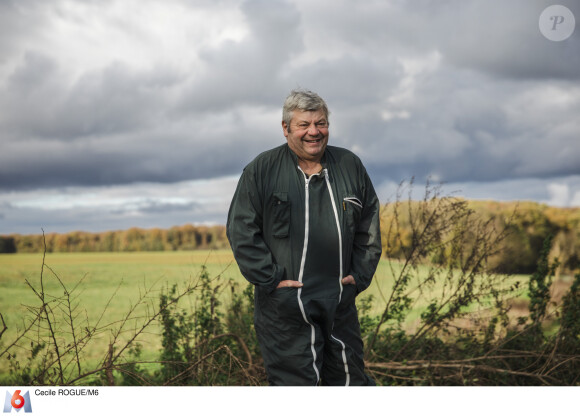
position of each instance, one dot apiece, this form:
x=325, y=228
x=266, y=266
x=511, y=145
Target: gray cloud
x=462, y=91
x=151, y=206
x=99, y=208
x=498, y=37
x=504, y=39
x=113, y=100
x=33, y=221
x=121, y=124
x=248, y=72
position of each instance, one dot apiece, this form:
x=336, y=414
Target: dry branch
x=4, y=327
x=240, y=342
x=109, y=366
x=450, y=365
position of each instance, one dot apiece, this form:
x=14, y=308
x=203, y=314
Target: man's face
x=307, y=134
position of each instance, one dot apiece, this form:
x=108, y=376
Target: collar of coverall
x=322, y=161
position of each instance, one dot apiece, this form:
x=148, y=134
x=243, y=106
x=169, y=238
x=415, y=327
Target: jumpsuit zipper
x=303, y=262
x=301, y=273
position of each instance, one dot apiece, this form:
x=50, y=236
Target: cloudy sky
x=120, y=113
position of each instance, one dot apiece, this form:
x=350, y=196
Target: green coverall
x=284, y=225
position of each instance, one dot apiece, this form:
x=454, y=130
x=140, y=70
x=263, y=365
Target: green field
x=109, y=284
x=102, y=276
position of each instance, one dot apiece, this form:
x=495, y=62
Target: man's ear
x=285, y=128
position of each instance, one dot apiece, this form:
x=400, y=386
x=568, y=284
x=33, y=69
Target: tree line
x=527, y=226
x=185, y=237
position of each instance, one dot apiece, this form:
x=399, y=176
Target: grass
x=111, y=283
x=102, y=275
x=382, y=286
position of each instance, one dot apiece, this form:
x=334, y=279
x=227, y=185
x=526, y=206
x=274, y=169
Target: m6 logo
x=17, y=402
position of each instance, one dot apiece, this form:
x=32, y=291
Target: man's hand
x=289, y=283
x=348, y=280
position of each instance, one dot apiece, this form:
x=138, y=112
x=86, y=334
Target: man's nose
x=313, y=130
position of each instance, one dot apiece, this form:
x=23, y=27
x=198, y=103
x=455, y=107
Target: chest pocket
x=352, y=211
x=280, y=215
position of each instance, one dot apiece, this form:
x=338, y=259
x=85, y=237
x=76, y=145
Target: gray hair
x=303, y=100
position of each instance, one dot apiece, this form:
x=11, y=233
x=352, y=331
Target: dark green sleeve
x=245, y=234
x=367, y=250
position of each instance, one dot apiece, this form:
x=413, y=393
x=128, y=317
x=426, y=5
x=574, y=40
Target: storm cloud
x=119, y=94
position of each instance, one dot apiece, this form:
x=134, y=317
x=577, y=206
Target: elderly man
x=304, y=228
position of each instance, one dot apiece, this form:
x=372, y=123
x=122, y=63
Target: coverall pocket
x=280, y=215
x=348, y=295
x=285, y=299
x=278, y=311
x=352, y=211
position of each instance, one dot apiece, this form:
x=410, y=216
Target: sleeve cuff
x=276, y=278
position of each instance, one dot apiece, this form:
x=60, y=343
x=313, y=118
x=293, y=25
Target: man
x=304, y=228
